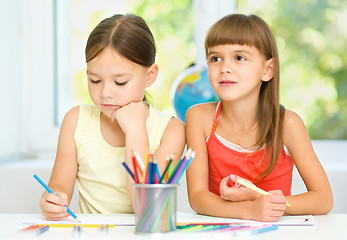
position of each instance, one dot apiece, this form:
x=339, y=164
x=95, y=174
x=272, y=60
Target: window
x=311, y=37
x=55, y=34
x=171, y=23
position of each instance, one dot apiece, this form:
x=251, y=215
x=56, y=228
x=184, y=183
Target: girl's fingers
x=234, y=179
x=53, y=208
x=50, y=197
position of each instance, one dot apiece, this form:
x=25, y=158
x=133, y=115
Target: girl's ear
x=152, y=74
x=269, y=71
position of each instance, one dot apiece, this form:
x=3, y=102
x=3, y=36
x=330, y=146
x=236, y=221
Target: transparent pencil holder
x=155, y=208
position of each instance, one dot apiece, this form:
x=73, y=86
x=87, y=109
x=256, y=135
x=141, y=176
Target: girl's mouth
x=226, y=83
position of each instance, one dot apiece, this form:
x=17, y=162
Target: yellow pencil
x=194, y=228
x=70, y=225
x=254, y=188
x=145, y=171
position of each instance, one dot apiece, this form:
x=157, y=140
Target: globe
x=191, y=87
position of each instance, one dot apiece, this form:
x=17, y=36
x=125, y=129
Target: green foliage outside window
x=311, y=36
x=171, y=23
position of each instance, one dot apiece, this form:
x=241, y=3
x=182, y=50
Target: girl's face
x=114, y=81
x=237, y=71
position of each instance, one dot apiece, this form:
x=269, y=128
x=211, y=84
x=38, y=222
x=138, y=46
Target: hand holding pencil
x=54, y=206
x=259, y=205
x=254, y=188
x=236, y=194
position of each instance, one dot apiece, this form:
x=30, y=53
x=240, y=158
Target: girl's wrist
x=137, y=130
x=247, y=210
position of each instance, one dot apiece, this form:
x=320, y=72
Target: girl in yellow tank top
x=93, y=140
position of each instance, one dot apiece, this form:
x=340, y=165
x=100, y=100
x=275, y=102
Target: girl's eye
x=95, y=81
x=240, y=58
x=215, y=59
x=121, y=83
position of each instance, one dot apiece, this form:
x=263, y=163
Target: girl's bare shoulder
x=201, y=116
x=294, y=128
x=291, y=119
x=203, y=110
x=71, y=118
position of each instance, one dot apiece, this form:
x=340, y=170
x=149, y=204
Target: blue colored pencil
x=265, y=228
x=186, y=166
x=150, y=169
x=178, y=170
x=178, y=166
x=129, y=171
x=156, y=171
x=42, y=230
x=50, y=191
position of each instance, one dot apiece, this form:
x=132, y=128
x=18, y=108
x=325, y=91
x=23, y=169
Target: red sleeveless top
x=224, y=161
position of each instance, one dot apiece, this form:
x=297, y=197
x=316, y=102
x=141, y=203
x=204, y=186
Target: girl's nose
x=226, y=67
x=106, y=91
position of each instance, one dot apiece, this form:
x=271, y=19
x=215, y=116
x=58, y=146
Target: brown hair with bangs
x=129, y=35
x=252, y=31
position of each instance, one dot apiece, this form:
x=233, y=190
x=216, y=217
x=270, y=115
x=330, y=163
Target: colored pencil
x=179, y=169
x=85, y=225
x=265, y=228
x=29, y=228
x=145, y=170
x=246, y=231
x=186, y=166
x=156, y=171
x=139, y=164
x=165, y=171
x=192, y=228
x=50, y=191
x=150, y=169
x=169, y=172
x=128, y=170
x=178, y=166
x=254, y=188
x=135, y=168
x=42, y=230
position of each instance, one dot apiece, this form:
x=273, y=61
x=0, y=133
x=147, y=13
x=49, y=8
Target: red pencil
x=135, y=168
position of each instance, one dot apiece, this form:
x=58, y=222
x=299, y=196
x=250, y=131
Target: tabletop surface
x=331, y=226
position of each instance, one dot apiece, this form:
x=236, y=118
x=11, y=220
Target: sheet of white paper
x=289, y=220
x=117, y=219
x=129, y=219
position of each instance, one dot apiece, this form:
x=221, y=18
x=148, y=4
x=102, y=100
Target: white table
x=333, y=226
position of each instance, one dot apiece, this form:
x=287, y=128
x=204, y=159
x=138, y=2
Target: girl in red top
x=248, y=133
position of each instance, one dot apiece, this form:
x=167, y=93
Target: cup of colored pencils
x=155, y=208
x=156, y=193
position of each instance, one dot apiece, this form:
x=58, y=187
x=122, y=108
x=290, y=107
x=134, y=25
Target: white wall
x=23, y=193
x=10, y=78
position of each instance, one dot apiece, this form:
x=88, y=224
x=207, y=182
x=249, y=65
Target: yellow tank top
x=101, y=177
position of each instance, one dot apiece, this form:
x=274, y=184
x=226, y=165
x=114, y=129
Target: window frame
x=45, y=75
x=48, y=91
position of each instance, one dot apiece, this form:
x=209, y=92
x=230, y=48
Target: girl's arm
x=318, y=199
x=64, y=172
x=198, y=127
x=172, y=142
x=132, y=120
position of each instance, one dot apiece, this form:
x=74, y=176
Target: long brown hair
x=128, y=34
x=252, y=31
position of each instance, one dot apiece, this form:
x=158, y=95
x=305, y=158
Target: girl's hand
x=53, y=206
x=131, y=117
x=268, y=208
x=236, y=192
